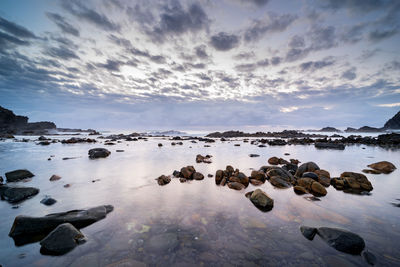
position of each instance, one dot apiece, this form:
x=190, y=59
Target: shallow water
x=208, y=224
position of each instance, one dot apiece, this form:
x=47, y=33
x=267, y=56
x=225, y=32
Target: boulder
x=383, y=166
x=352, y=182
x=17, y=194
x=198, y=176
x=342, y=240
x=26, y=229
x=294, y=161
x=308, y=232
x=318, y=189
x=218, y=176
x=310, y=175
x=282, y=173
x=300, y=190
x=324, y=177
x=163, y=180
x=306, y=183
x=186, y=173
x=1, y=180
x=55, y=177
x=261, y=200
x=48, y=201
x=273, y=160
x=61, y=240
x=306, y=167
x=279, y=182
x=258, y=175
x=98, y=153
x=256, y=182
x=236, y=186
x=204, y=159
x=243, y=179
x=18, y=175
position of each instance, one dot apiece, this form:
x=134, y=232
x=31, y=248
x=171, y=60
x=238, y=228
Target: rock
x=342, y=240
x=279, y=182
x=61, y=240
x=176, y=173
x=371, y=171
x=290, y=167
x=312, y=198
x=163, y=180
x=48, y=201
x=273, y=161
x=253, y=155
x=329, y=145
x=369, y=257
x=318, y=189
x=1, y=180
x=258, y=175
x=310, y=175
x=306, y=183
x=55, y=177
x=394, y=122
x=223, y=182
x=198, y=176
x=283, y=174
x=182, y=180
x=18, y=175
x=300, y=190
x=186, y=173
x=383, y=166
x=294, y=161
x=210, y=175
x=261, y=200
x=204, y=159
x=256, y=182
x=67, y=185
x=98, y=153
x=352, y=182
x=25, y=229
x=160, y=145
x=119, y=150
x=236, y=186
x=308, y=232
x=17, y=194
x=306, y=167
x=162, y=243
x=324, y=177
x=218, y=176
x=243, y=179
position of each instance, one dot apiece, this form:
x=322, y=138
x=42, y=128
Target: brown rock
x=371, y=171
x=300, y=190
x=279, y=182
x=258, y=175
x=318, y=189
x=273, y=161
x=256, y=182
x=55, y=177
x=223, y=182
x=198, y=176
x=218, y=176
x=306, y=183
x=186, y=173
x=163, y=180
x=236, y=186
x=383, y=166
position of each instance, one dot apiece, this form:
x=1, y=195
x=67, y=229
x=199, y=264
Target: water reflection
x=198, y=222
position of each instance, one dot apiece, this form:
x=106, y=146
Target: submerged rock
x=308, y=232
x=18, y=175
x=342, y=240
x=48, y=201
x=17, y=194
x=26, y=229
x=261, y=200
x=98, y=153
x=369, y=257
x=162, y=243
x=61, y=240
x=383, y=166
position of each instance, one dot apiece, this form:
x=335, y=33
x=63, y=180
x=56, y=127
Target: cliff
x=394, y=122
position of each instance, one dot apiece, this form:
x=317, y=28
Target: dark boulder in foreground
x=383, y=167
x=329, y=145
x=18, y=175
x=339, y=239
x=61, y=240
x=261, y=200
x=26, y=229
x=98, y=153
x=17, y=194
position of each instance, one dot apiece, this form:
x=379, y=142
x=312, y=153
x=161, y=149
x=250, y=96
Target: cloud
x=61, y=52
x=201, y=51
x=175, y=20
x=83, y=12
x=354, y=33
x=7, y=41
x=270, y=24
x=256, y=3
x=390, y=105
x=379, y=35
x=244, y=56
x=350, y=74
x=312, y=66
x=276, y=60
x=61, y=22
x=224, y=41
x=323, y=37
x=354, y=5
x=15, y=29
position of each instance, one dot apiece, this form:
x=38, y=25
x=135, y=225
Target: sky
x=201, y=65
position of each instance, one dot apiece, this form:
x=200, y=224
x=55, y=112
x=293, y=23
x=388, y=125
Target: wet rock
x=1, y=180
x=273, y=160
x=204, y=159
x=162, y=243
x=17, y=194
x=186, y=173
x=290, y=167
x=55, y=177
x=256, y=182
x=67, y=185
x=61, y=240
x=352, y=182
x=223, y=182
x=18, y=175
x=277, y=181
x=176, y=173
x=44, y=143
x=98, y=153
x=119, y=150
x=383, y=166
x=236, y=186
x=253, y=155
x=182, y=180
x=371, y=171
x=210, y=175
x=369, y=257
x=163, y=180
x=294, y=161
x=160, y=145
x=342, y=240
x=318, y=189
x=48, y=201
x=26, y=229
x=218, y=176
x=308, y=232
x=306, y=167
x=324, y=177
x=261, y=200
x=310, y=175
x=75, y=140
x=258, y=175
x=329, y=145
x=198, y=176
x=300, y=190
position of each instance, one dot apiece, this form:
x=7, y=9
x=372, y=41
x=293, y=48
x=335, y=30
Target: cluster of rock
x=185, y=174
x=75, y=140
x=15, y=194
x=57, y=232
x=203, y=159
x=283, y=134
x=233, y=178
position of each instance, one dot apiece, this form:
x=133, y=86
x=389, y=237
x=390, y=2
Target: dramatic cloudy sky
x=227, y=64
